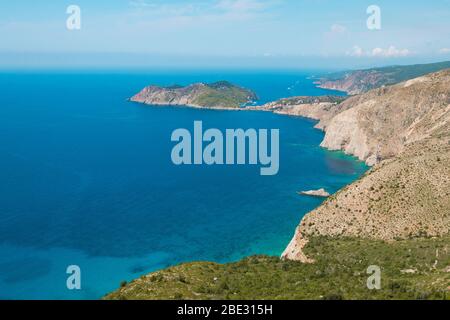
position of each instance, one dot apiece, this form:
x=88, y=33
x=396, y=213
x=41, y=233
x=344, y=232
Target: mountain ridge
x=361, y=81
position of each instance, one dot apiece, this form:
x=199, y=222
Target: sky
x=212, y=33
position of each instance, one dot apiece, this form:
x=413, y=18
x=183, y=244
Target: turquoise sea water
x=86, y=179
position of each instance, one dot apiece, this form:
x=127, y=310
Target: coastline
x=402, y=200
x=193, y=106
x=348, y=130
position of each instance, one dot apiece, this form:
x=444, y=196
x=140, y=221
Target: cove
x=89, y=181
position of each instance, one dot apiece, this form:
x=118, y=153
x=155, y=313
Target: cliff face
x=406, y=195
x=169, y=95
x=379, y=124
x=216, y=95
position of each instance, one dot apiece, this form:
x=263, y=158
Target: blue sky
x=297, y=33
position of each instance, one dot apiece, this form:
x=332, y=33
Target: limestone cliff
x=408, y=193
x=321, y=108
x=379, y=124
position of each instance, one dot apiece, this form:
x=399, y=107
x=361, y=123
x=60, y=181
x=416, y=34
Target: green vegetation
x=411, y=269
x=360, y=81
x=310, y=100
x=224, y=93
x=397, y=74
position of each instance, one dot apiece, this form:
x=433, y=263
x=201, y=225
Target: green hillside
x=411, y=269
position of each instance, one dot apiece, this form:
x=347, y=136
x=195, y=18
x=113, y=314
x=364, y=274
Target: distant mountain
x=360, y=81
x=219, y=95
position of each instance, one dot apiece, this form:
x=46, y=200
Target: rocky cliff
x=379, y=124
x=220, y=95
x=321, y=108
x=405, y=131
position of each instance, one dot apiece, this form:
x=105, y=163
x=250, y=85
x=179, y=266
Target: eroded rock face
x=404, y=130
x=322, y=108
x=401, y=198
x=379, y=124
x=168, y=96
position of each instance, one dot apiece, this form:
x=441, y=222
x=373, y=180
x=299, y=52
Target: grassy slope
x=338, y=273
x=224, y=94
x=399, y=74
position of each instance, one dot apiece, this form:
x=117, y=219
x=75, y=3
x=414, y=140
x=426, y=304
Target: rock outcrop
x=322, y=193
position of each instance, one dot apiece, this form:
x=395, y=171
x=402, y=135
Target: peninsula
x=217, y=95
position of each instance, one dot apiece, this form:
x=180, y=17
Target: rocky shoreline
x=321, y=193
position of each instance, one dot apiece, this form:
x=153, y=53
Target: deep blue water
x=86, y=179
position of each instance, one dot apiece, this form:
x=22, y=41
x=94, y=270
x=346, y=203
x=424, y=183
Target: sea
x=86, y=179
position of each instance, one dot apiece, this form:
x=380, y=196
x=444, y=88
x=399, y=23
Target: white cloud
x=444, y=51
x=356, y=52
x=338, y=29
x=391, y=52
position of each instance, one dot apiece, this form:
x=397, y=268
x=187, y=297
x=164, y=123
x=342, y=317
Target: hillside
x=220, y=95
x=403, y=197
x=379, y=124
x=411, y=269
x=360, y=81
